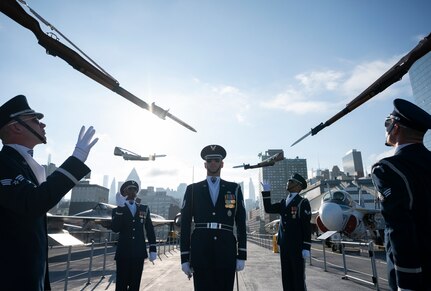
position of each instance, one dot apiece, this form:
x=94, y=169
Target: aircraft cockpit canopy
x=339, y=197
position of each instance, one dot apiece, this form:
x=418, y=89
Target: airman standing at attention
x=294, y=232
x=404, y=189
x=26, y=194
x=213, y=252
x=130, y=219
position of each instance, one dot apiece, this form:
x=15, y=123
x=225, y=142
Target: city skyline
x=257, y=78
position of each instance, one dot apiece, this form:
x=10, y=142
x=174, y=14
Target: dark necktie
x=30, y=152
x=213, y=179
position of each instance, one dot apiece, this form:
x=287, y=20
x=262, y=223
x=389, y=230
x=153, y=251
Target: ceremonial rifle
x=265, y=163
x=393, y=75
x=55, y=48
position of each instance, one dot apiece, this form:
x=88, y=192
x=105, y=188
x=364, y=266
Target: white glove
x=305, y=254
x=402, y=289
x=84, y=143
x=240, y=264
x=120, y=199
x=153, y=256
x=186, y=269
x=266, y=186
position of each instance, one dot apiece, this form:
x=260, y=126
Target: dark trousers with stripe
x=292, y=270
x=129, y=272
x=213, y=279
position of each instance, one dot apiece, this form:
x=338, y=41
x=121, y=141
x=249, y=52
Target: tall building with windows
x=352, y=164
x=296, y=165
x=278, y=174
x=420, y=80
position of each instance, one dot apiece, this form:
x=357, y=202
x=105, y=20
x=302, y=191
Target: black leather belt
x=213, y=225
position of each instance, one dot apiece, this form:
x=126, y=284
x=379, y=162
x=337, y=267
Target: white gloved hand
x=305, y=254
x=84, y=143
x=240, y=264
x=186, y=269
x=120, y=199
x=266, y=186
x=153, y=256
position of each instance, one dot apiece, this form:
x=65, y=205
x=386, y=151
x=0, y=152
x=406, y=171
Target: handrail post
x=373, y=264
x=344, y=260
x=104, y=258
x=91, y=263
x=324, y=255
x=66, y=279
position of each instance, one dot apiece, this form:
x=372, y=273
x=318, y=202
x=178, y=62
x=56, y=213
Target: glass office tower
x=420, y=80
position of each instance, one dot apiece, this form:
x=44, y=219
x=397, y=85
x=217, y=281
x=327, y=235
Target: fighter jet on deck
x=339, y=213
x=131, y=156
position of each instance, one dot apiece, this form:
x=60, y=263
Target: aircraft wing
x=161, y=222
x=56, y=223
x=272, y=227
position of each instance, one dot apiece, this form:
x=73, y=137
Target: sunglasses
x=388, y=122
x=33, y=119
x=216, y=160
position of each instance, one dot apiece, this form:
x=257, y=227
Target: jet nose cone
x=331, y=215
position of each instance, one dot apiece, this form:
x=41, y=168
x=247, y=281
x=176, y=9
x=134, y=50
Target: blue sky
x=248, y=75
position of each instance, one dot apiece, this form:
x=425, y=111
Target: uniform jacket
x=23, y=207
x=215, y=248
x=131, y=243
x=403, y=182
x=294, y=232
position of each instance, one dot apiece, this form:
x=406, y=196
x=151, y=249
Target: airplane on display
x=339, y=213
x=96, y=219
x=265, y=163
x=131, y=156
x=100, y=214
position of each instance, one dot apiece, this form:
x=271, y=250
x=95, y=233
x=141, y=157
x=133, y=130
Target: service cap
x=129, y=184
x=299, y=179
x=411, y=115
x=17, y=106
x=213, y=151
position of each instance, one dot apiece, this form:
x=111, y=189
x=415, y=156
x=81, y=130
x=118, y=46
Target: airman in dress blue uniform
x=294, y=232
x=26, y=195
x=130, y=219
x=404, y=189
x=215, y=247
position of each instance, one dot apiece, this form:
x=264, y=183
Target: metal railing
x=163, y=248
x=268, y=241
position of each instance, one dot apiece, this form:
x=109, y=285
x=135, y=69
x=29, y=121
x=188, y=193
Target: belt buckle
x=213, y=225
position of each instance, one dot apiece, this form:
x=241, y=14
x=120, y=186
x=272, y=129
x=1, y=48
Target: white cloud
x=317, y=81
x=227, y=90
x=293, y=101
x=319, y=91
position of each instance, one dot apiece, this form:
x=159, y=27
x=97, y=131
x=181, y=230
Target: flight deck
x=94, y=269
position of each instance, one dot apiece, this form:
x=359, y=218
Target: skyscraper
x=420, y=80
x=296, y=165
x=278, y=174
x=251, y=191
x=135, y=177
x=112, y=192
x=352, y=164
x=105, y=181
